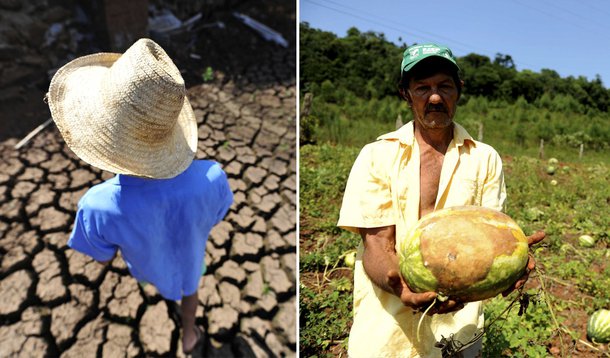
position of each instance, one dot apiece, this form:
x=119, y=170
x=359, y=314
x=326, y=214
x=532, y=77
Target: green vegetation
x=208, y=75
x=325, y=297
x=354, y=101
x=367, y=65
x=576, y=279
x=354, y=85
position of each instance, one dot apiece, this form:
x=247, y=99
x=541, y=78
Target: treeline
x=354, y=79
x=366, y=64
x=363, y=63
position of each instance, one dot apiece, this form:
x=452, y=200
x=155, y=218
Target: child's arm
x=87, y=240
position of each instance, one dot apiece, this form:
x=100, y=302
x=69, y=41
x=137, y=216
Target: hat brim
x=81, y=112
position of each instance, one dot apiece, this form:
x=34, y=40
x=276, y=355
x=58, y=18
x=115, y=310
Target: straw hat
x=126, y=114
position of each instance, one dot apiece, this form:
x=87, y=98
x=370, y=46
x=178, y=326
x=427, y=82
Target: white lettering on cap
x=414, y=52
x=430, y=50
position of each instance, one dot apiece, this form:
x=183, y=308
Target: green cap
x=414, y=54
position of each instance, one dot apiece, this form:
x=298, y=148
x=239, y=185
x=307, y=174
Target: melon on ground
x=468, y=253
x=598, y=326
x=586, y=241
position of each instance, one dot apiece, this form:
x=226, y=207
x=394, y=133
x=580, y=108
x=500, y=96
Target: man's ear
x=405, y=95
x=461, y=89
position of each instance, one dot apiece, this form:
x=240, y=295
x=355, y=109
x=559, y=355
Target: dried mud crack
x=55, y=301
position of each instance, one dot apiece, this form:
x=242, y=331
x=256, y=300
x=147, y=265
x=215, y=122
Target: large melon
x=468, y=253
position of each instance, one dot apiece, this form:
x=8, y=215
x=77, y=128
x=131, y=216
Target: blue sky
x=571, y=37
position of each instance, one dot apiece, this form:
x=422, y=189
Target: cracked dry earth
x=57, y=302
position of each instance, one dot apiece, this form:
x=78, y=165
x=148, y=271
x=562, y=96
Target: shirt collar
x=406, y=136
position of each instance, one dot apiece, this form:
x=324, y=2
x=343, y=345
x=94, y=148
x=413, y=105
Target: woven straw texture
x=126, y=114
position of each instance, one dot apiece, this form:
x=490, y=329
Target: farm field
x=569, y=284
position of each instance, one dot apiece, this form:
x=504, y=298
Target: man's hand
x=419, y=301
x=531, y=263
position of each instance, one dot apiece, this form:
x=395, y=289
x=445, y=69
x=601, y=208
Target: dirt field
x=55, y=301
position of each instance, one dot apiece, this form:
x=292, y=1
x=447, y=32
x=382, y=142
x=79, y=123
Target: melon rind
x=598, y=326
x=412, y=265
x=586, y=241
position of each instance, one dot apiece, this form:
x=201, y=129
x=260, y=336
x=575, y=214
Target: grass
x=325, y=295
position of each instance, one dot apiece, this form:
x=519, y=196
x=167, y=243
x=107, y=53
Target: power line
x=401, y=24
x=562, y=19
x=588, y=20
x=358, y=17
x=466, y=48
x=587, y=3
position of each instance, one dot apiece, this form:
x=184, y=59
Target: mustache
x=436, y=108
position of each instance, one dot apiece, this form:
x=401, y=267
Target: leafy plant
x=208, y=75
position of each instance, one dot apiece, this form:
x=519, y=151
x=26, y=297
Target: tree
x=483, y=81
x=505, y=61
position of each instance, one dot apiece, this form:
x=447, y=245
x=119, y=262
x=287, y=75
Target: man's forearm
x=377, y=264
x=379, y=256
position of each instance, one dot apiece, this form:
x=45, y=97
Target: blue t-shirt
x=161, y=226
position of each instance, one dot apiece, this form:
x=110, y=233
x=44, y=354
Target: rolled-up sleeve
x=367, y=201
x=494, y=188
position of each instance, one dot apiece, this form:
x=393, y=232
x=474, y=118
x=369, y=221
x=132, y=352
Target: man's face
x=433, y=100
